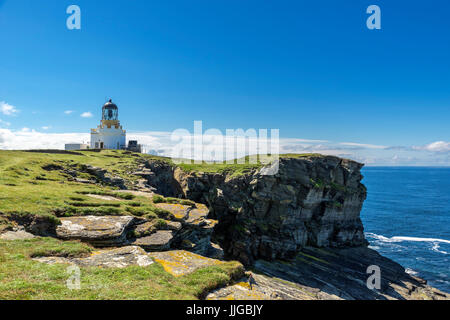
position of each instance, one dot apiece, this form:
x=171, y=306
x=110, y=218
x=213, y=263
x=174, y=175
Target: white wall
x=112, y=138
x=75, y=146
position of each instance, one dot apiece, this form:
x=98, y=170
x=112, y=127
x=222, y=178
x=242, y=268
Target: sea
x=406, y=218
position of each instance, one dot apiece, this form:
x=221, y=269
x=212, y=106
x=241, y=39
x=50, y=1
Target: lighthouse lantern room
x=109, y=134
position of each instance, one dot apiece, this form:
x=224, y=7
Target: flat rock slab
x=16, y=235
x=118, y=258
x=262, y=287
x=327, y=273
x=145, y=229
x=158, y=241
x=115, y=258
x=174, y=225
x=181, y=212
x=103, y=230
x=198, y=214
x=181, y=262
x=239, y=291
x=138, y=193
x=54, y=260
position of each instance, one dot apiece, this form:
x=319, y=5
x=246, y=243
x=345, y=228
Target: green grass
x=23, y=278
x=160, y=199
x=319, y=184
x=124, y=196
x=44, y=247
x=21, y=192
x=301, y=155
x=313, y=258
x=5, y=224
x=26, y=187
x=235, y=169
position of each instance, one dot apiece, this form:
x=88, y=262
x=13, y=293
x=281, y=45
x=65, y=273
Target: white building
x=76, y=146
x=109, y=134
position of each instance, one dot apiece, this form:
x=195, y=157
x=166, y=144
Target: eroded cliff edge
x=311, y=201
x=299, y=229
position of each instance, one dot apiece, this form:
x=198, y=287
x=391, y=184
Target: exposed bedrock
x=311, y=201
x=191, y=231
x=329, y=274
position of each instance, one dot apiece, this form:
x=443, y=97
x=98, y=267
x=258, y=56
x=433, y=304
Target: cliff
x=298, y=230
x=311, y=201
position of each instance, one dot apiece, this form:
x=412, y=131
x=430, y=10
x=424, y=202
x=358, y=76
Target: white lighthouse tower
x=109, y=134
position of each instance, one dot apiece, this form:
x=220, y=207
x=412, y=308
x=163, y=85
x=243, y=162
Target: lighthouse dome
x=110, y=111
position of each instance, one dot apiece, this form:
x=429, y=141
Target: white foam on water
x=436, y=248
x=400, y=239
x=420, y=239
x=442, y=281
x=411, y=272
x=397, y=239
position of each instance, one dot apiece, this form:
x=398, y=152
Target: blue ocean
x=406, y=218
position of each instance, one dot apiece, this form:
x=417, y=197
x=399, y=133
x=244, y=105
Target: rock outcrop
x=41, y=225
x=113, y=258
x=157, y=241
x=181, y=262
x=16, y=235
x=102, y=231
x=191, y=230
x=329, y=274
x=97, y=175
x=310, y=201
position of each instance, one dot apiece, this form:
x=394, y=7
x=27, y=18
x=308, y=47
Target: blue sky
x=311, y=69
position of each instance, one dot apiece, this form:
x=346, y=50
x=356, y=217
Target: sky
x=311, y=69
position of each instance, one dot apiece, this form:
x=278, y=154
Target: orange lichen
x=180, y=262
x=245, y=285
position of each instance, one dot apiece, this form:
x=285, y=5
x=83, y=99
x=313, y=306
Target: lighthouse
x=109, y=134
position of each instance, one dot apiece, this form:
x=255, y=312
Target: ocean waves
x=396, y=239
x=406, y=217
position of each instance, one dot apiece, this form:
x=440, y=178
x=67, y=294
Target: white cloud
x=86, y=115
x=294, y=140
x=46, y=127
x=68, y=111
x=26, y=138
x=7, y=109
x=160, y=143
x=4, y=123
x=438, y=146
x=362, y=145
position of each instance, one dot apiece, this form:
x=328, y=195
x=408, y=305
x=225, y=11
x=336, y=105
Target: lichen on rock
x=112, y=258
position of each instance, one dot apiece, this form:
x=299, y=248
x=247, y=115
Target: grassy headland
x=23, y=278
x=38, y=183
x=29, y=185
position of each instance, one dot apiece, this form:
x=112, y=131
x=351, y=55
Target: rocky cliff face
x=311, y=201
x=329, y=274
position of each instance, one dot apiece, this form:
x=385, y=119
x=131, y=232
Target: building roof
x=110, y=105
